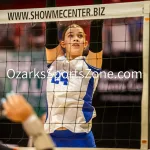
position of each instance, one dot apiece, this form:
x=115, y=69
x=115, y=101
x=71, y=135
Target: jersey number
x=60, y=78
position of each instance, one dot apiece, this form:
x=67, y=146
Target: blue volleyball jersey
x=70, y=88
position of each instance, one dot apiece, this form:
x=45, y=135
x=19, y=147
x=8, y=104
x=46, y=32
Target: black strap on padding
x=50, y=3
x=96, y=33
x=97, y=1
x=51, y=29
x=96, y=36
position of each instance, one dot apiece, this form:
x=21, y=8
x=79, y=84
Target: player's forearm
x=53, y=49
x=34, y=127
x=52, y=54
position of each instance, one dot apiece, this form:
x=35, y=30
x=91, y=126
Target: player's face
x=74, y=42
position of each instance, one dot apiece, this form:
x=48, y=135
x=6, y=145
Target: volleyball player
x=69, y=97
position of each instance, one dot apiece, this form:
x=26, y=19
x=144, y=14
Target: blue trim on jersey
x=48, y=66
x=87, y=106
x=46, y=111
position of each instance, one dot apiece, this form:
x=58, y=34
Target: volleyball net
x=121, y=99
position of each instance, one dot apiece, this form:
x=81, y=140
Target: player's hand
x=16, y=108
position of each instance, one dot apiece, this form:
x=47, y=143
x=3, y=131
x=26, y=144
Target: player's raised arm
x=17, y=109
x=94, y=57
x=53, y=49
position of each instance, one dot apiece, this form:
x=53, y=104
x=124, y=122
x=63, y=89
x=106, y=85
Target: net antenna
x=122, y=10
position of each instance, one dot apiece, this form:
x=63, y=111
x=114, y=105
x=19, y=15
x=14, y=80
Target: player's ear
x=62, y=44
x=86, y=44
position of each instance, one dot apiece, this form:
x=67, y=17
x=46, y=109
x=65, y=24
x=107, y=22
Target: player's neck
x=71, y=57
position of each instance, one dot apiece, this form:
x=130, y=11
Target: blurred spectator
x=122, y=35
x=6, y=39
x=22, y=37
x=18, y=31
x=136, y=32
x=37, y=35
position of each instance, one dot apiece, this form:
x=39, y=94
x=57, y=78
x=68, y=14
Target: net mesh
x=118, y=96
x=118, y=100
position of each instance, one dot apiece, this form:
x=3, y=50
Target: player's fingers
x=4, y=113
x=5, y=106
x=4, y=103
x=20, y=102
x=8, y=110
x=15, y=99
x=25, y=105
x=21, y=99
x=11, y=100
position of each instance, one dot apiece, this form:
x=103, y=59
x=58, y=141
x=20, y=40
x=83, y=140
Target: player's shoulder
x=95, y=59
x=57, y=61
x=91, y=67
